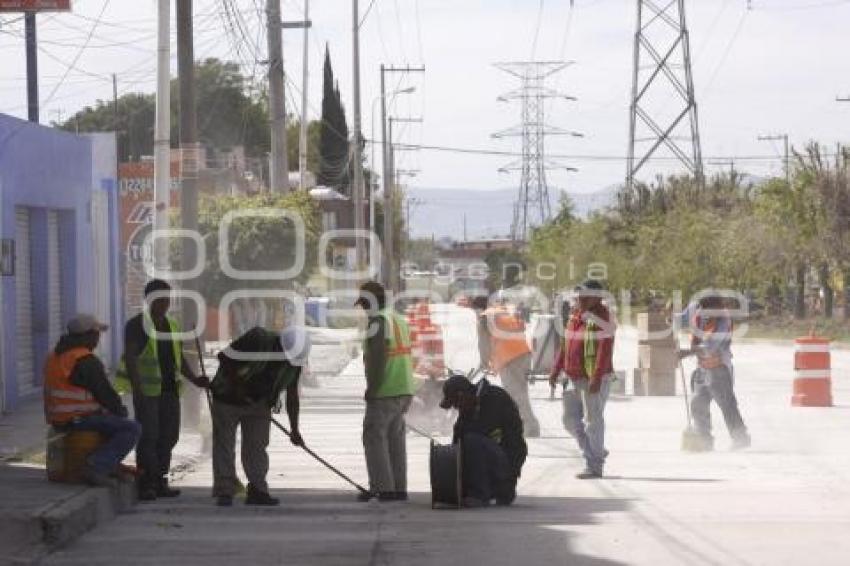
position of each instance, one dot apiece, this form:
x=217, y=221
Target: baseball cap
x=454, y=385
x=84, y=323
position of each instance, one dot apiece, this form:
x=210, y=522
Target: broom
x=692, y=441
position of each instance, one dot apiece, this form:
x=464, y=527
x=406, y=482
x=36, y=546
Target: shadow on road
x=319, y=527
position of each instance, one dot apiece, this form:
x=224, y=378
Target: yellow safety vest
x=398, y=372
x=148, y=364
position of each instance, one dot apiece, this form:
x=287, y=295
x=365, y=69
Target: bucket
x=67, y=453
x=446, y=475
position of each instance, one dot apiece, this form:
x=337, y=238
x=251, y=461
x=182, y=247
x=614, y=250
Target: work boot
x=741, y=441
x=162, y=489
x=96, y=479
x=224, y=501
x=147, y=493
x=589, y=474
x=256, y=497
x=399, y=496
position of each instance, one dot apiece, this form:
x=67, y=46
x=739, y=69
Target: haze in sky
x=774, y=68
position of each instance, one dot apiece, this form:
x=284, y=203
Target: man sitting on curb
x=79, y=397
x=489, y=429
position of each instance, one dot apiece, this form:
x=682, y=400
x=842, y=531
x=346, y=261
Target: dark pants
x=121, y=436
x=486, y=471
x=715, y=384
x=160, y=420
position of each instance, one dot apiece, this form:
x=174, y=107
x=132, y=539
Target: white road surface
x=785, y=501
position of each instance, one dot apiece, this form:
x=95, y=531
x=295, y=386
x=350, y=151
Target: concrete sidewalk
x=37, y=516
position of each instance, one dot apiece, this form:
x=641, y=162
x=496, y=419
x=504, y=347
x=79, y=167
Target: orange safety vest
x=507, y=337
x=63, y=401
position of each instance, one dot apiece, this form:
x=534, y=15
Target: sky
x=776, y=67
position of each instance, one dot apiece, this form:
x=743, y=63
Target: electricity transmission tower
x=663, y=107
x=533, y=206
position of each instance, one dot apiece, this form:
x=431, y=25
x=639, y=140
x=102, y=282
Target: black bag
x=261, y=378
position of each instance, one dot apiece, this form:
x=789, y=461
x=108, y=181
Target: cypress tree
x=333, y=138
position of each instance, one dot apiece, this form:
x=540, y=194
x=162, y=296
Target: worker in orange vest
x=78, y=396
x=504, y=350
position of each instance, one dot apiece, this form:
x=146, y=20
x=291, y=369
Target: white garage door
x=23, y=298
x=55, y=314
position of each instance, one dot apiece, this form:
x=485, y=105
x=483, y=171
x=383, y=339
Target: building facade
x=58, y=224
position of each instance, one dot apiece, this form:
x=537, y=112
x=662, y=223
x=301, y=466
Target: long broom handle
x=320, y=459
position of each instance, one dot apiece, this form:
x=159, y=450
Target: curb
x=60, y=523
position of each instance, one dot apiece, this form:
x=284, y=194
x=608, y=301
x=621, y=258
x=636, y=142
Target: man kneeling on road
x=253, y=372
x=79, y=397
x=489, y=429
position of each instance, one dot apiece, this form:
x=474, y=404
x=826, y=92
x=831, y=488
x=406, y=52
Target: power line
x=572, y=156
x=78, y=55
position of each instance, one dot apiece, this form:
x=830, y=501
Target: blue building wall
x=45, y=169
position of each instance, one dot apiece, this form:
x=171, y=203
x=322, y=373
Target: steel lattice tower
x=663, y=107
x=533, y=206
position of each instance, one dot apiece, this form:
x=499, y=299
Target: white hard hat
x=295, y=341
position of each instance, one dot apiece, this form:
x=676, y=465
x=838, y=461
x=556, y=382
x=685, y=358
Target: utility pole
x=278, y=162
x=162, y=135
x=32, y=67
x=357, y=189
x=306, y=24
x=533, y=196
x=392, y=251
x=662, y=36
x=783, y=138
x=390, y=271
x=189, y=148
x=115, y=103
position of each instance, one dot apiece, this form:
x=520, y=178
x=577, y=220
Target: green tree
x=257, y=243
x=228, y=114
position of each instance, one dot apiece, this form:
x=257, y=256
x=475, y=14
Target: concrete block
x=657, y=358
x=653, y=383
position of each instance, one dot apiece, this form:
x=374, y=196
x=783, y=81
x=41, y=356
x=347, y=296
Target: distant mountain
x=488, y=213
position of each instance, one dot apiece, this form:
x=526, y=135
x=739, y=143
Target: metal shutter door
x=55, y=314
x=23, y=298
x=100, y=248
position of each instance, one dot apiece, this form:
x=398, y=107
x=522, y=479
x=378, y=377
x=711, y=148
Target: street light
x=408, y=90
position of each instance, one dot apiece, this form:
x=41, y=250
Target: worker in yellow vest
x=389, y=391
x=78, y=396
x=153, y=365
x=504, y=350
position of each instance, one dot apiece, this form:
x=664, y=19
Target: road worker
x=389, y=391
x=489, y=430
x=253, y=372
x=152, y=366
x=79, y=397
x=503, y=348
